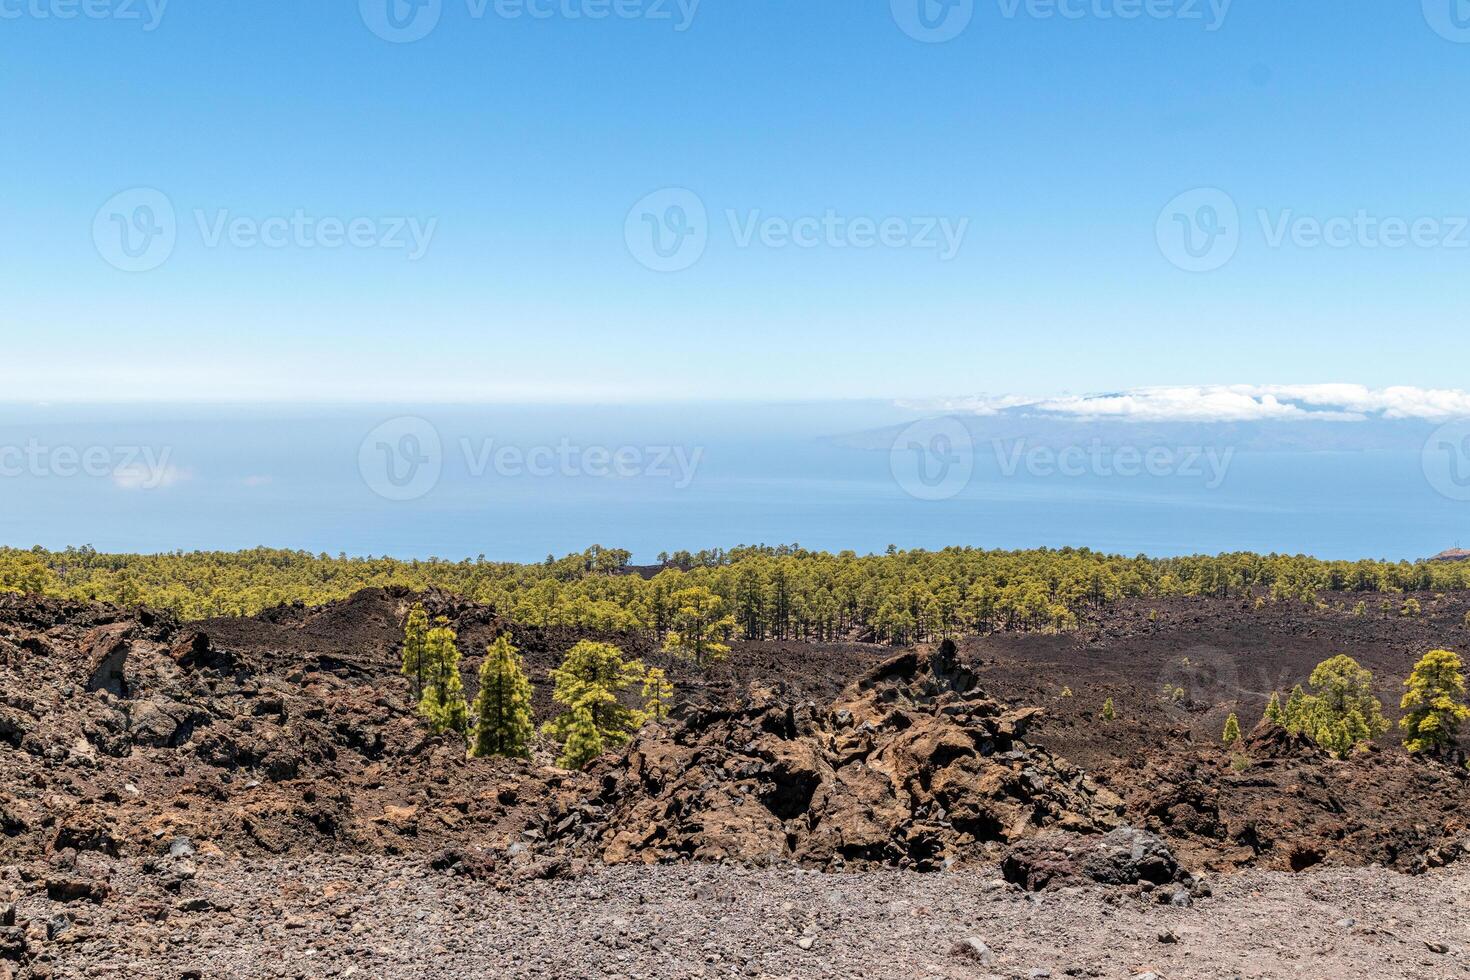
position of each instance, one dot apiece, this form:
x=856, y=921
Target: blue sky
x=518, y=147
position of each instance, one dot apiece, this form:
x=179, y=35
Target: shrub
x=1410, y=607
x=1434, y=702
x=1232, y=730
x=1108, y=714
x=1066, y=692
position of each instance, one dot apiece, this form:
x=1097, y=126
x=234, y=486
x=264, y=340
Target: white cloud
x=1232, y=403
x=147, y=476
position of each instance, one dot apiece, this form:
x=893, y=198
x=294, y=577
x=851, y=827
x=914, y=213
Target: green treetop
x=503, y=704
x=1434, y=703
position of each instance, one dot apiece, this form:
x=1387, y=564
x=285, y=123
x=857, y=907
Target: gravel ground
x=394, y=917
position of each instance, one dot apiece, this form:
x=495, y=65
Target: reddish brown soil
x=293, y=732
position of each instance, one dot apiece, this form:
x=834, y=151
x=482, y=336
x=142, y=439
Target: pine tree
x=443, y=701
x=1341, y=712
x=1274, y=714
x=503, y=704
x=657, y=692
x=1108, y=714
x=584, y=742
x=1232, y=730
x=590, y=679
x=415, y=648
x=699, y=625
x=1434, y=702
x=1294, y=717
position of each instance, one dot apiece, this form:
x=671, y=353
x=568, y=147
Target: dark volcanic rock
x=913, y=766
x=1124, y=856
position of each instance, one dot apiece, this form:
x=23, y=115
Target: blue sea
x=521, y=482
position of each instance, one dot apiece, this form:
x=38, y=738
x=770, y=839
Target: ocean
x=521, y=482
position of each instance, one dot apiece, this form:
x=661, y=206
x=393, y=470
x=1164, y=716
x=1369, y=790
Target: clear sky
x=506, y=154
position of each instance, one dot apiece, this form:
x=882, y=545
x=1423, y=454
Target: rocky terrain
x=256, y=797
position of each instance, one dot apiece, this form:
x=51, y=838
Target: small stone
x=1346, y=923
x=1168, y=937
x=1434, y=947
x=806, y=942
x=974, y=948
x=56, y=925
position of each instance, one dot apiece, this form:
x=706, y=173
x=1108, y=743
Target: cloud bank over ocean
x=1224, y=403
